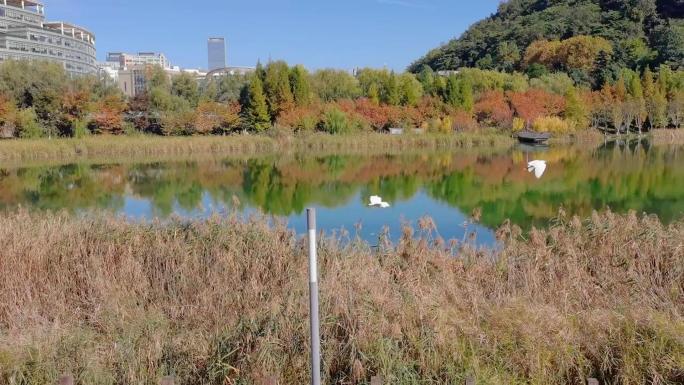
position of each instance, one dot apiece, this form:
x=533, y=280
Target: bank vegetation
x=224, y=301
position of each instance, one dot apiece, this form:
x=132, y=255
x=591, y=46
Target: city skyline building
x=26, y=35
x=127, y=60
x=216, y=52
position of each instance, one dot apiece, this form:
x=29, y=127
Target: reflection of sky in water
x=450, y=221
x=442, y=185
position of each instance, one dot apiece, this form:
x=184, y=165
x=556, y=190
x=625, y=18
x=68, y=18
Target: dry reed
x=103, y=148
x=224, y=301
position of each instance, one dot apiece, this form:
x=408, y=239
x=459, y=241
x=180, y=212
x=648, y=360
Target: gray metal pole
x=313, y=300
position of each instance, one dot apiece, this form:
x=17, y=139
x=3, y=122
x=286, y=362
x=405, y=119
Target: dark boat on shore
x=532, y=137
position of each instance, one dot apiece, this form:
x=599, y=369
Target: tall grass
x=224, y=301
x=144, y=147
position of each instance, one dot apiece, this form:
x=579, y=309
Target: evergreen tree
x=467, y=98
x=260, y=71
x=254, y=107
x=277, y=88
x=392, y=91
x=374, y=93
x=301, y=88
x=426, y=77
x=453, y=91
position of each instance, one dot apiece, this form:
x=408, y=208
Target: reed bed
x=224, y=301
x=105, y=148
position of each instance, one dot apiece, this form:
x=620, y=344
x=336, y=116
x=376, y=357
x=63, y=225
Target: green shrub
x=80, y=128
x=27, y=124
x=336, y=122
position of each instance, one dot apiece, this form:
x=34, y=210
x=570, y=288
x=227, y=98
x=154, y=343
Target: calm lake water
x=444, y=186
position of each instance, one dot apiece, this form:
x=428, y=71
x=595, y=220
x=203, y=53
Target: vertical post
x=313, y=300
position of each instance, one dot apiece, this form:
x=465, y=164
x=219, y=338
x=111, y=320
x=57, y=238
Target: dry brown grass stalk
x=224, y=301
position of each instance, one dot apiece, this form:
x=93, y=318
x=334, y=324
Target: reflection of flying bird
x=377, y=201
x=538, y=167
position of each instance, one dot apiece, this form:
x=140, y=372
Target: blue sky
x=317, y=33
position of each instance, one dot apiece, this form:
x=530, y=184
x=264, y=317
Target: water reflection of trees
x=622, y=176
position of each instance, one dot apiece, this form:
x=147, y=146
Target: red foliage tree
x=463, y=121
x=493, y=109
x=535, y=103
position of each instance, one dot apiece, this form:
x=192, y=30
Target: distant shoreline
x=143, y=147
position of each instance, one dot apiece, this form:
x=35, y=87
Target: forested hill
x=641, y=32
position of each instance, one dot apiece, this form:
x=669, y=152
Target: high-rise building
x=26, y=35
x=216, y=47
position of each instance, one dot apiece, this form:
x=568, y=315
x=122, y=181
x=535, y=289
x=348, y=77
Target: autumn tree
x=576, y=53
x=8, y=112
x=675, y=109
x=636, y=102
x=535, y=103
x=75, y=107
x=217, y=118
x=575, y=109
x=108, y=115
x=492, y=109
x=656, y=102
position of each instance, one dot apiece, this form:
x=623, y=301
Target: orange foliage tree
x=217, y=118
x=535, y=103
x=492, y=109
x=578, y=52
x=301, y=118
x=108, y=116
x=75, y=104
x=8, y=111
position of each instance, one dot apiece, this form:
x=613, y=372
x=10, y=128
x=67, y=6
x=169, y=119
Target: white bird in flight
x=377, y=201
x=538, y=167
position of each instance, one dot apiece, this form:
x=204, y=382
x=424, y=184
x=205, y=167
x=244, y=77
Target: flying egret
x=377, y=201
x=538, y=167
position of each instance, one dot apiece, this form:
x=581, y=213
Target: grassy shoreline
x=105, y=149
x=144, y=147
x=225, y=301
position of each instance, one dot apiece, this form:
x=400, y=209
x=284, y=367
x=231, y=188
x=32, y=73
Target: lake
x=446, y=187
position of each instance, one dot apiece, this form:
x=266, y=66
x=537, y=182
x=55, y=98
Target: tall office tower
x=216, y=47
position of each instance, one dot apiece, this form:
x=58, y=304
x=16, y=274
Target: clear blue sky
x=317, y=33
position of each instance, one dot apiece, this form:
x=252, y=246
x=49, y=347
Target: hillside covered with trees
x=591, y=40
